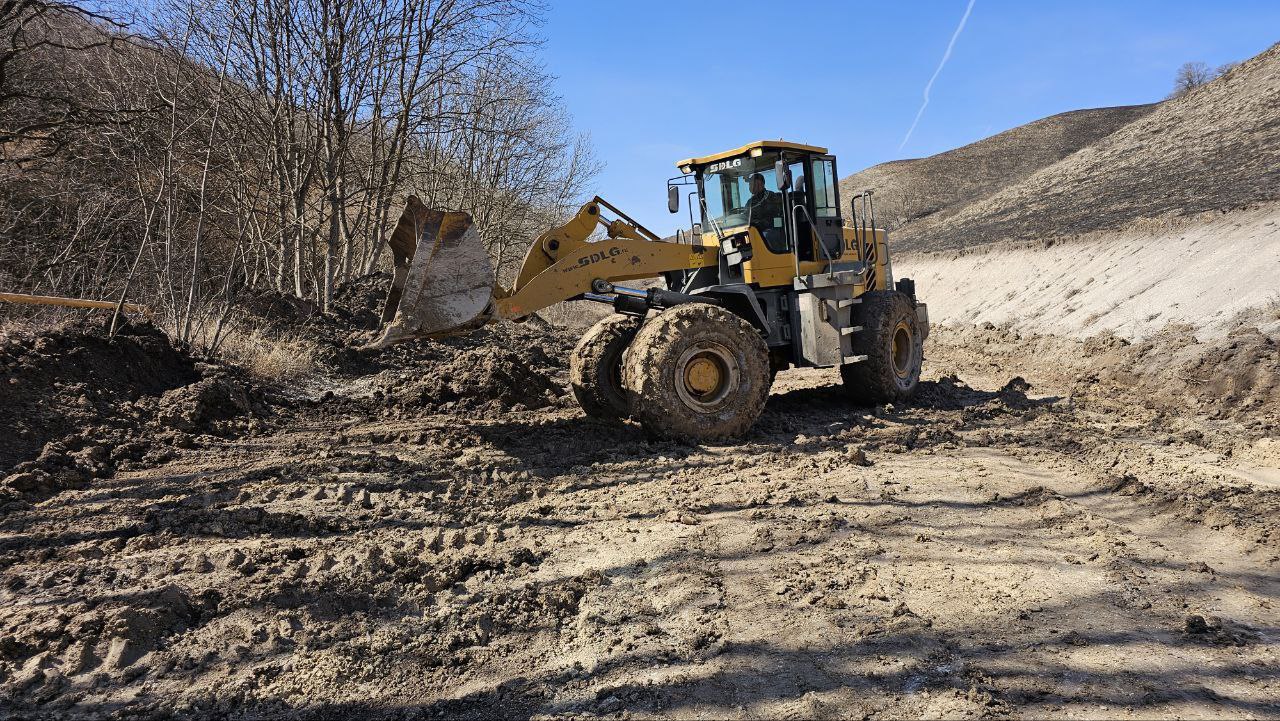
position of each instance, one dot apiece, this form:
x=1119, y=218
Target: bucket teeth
x=443, y=281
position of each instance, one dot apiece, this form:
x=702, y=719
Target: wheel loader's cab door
x=813, y=209
x=826, y=209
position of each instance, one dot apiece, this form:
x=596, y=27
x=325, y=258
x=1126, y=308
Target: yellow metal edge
x=764, y=144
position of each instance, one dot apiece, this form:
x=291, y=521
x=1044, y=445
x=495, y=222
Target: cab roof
x=760, y=145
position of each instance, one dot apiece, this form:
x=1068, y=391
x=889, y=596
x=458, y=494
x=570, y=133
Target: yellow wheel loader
x=771, y=275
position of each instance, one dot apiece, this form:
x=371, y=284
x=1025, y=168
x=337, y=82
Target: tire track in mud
x=1126, y=616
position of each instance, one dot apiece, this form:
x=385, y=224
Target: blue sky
x=656, y=81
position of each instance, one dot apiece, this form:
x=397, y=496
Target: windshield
x=730, y=199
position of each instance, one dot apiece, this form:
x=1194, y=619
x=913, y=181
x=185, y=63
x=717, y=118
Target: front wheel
x=595, y=367
x=697, y=372
x=893, y=343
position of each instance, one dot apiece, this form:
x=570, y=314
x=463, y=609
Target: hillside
x=908, y=191
x=1215, y=149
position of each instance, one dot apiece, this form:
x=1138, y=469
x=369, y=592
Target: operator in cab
x=764, y=209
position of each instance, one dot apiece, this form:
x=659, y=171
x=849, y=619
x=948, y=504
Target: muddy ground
x=440, y=532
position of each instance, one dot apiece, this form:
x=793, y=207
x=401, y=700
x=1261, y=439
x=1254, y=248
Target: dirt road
x=991, y=550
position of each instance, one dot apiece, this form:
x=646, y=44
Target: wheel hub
x=707, y=374
x=903, y=350
x=702, y=375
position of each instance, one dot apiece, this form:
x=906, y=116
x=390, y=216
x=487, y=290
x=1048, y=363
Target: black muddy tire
x=697, y=372
x=595, y=367
x=893, y=343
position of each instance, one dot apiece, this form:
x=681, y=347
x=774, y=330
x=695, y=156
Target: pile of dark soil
x=357, y=305
x=276, y=310
x=492, y=370
x=494, y=379
x=359, y=301
x=285, y=316
x=78, y=405
x=336, y=336
x=68, y=379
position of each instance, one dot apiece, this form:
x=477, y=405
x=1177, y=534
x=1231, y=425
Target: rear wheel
x=697, y=372
x=893, y=344
x=595, y=368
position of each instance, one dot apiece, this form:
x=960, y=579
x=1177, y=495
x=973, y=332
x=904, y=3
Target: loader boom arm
x=562, y=263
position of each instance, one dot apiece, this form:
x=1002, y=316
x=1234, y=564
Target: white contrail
x=929, y=85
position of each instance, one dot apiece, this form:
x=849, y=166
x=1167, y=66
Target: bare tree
x=269, y=144
x=48, y=55
x=1189, y=77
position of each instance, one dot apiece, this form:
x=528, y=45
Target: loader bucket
x=442, y=282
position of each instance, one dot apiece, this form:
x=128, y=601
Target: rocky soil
x=437, y=531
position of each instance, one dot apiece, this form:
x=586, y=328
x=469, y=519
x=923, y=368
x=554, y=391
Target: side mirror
x=782, y=175
x=673, y=198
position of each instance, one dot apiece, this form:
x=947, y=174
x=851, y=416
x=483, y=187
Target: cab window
x=823, y=188
x=726, y=189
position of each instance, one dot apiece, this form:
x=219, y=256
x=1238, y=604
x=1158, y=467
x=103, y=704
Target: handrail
x=813, y=228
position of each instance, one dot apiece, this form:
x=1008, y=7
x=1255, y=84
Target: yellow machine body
x=442, y=285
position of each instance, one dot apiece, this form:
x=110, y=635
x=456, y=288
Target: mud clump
x=1014, y=393
x=946, y=393
x=203, y=404
x=488, y=379
x=1212, y=629
x=951, y=393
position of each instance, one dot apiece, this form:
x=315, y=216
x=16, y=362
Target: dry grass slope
x=1216, y=149
x=938, y=186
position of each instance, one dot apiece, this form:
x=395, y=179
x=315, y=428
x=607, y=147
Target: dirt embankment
x=1212, y=274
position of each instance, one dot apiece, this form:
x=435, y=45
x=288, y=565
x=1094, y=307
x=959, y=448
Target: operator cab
x=768, y=201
